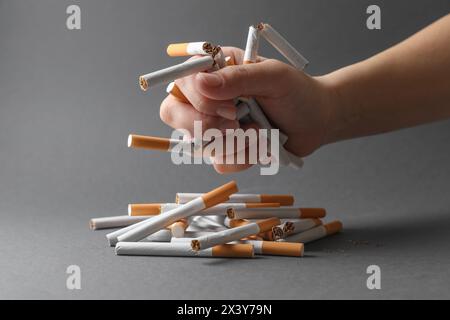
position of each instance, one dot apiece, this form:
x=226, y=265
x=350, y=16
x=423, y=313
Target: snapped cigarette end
x=282, y=199
x=220, y=194
x=333, y=227
x=267, y=224
x=145, y=142
x=306, y=213
x=143, y=83
x=277, y=233
x=233, y=251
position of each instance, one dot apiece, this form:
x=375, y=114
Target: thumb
x=267, y=78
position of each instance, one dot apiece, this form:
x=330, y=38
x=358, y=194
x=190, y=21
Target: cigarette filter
x=233, y=234
x=315, y=233
x=290, y=249
x=282, y=199
x=157, y=143
x=183, y=249
x=283, y=46
x=114, y=222
x=261, y=213
x=178, y=228
x=190, y=208
x=178, y=71
x=173, y=89
x=294, y=227
x=251, y=48
x=145, y=209
x=189, y=49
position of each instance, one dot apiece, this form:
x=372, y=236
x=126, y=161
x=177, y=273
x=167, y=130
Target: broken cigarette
x=290, y=249
x=158, y=143
x=114, y=222
x=294, y=226
x=145, y=209
x=283, y=46
x=293, y=213
x=190, y=208
x=177, y=71
x=183, y=249
x=251, y=48
x=234, y=234
x=315, y=233
x=189, y=49
x=282, y=199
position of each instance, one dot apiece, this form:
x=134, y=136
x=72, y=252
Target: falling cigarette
x=190, y=208
x=283, y=46
x=114, y=222
x=157, y=143
x=234, y=234
x=178, y=71
x=189, y=49
x=282, y=199
x=183, y=249
x=315, y=233
x=174, y=90
x=294, y=226
x=290, y=249
x=293, y=213
x=251, y=48
x=146, y=209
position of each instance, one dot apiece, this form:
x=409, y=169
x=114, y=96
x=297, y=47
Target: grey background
x=69, y=99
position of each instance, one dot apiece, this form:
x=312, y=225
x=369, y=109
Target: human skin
x=403, y=86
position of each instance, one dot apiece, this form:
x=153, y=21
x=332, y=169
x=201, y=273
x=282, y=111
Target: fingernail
x=227, y=112
x=210, y=79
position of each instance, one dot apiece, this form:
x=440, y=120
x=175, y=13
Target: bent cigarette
x=261, y=213
x=157, y=143
x=251, y=47
x=114, y=222
x=189, y=49
x=283, y=46
x=174, y=90
x=183, y=249
x=190, y=208
x=294, y=226
x=290, y=249
x=282, y=199
x=234, y=234
x=315, y=233
x=145, y=209
x=181, y=70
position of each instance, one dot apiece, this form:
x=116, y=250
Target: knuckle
x=165, y=114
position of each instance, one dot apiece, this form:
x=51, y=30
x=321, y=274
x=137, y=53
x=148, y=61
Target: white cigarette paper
x=178, y=71
x=189, y=49
x=233, y=234
x=283, y=46
x=163, y=235
x=114, y=222
x=190, y=208
x=315, y=233
x=182, y=249
x=251, y=48
x=282, y=199
x=292, y=227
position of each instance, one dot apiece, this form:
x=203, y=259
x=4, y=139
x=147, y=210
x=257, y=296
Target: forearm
x=406, y=85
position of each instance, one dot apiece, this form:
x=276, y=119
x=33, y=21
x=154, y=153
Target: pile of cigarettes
x=211, y=59
x=219, y=223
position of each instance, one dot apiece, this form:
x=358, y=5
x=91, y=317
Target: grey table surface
x=68, y=100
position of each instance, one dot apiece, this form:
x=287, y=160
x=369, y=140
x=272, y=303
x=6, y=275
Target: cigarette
x=268, y=235
x=290, y=249
x=294, y=226
x=178, y=228
x=262, y=213
x=233, y=234
x=163, y=235
x=146, y=209
x=174, y=90
x=282, y=199
x=315, y=233
x=157, y=143
x=189, y=49
x=190, y=208
x=251, y=48
x=114, y=222
x=177, y=71
x=183, y=249
x=243, y=110
x=112, y=236
x=283, y=46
